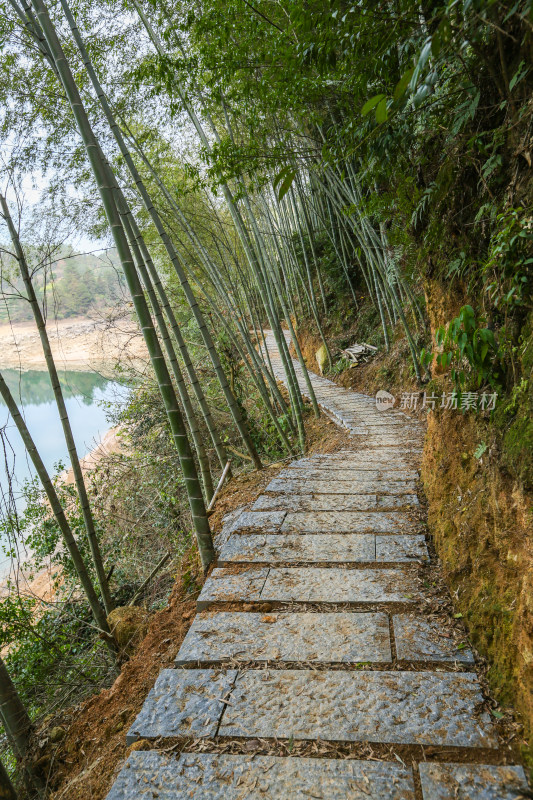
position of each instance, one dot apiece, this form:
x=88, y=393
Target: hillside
x=72, y=284
x=307, y=571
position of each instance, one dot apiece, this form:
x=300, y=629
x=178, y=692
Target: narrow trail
x=325, y=636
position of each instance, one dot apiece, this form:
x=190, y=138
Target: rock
x=128, y=625
x=57, y=733
x=321, y=356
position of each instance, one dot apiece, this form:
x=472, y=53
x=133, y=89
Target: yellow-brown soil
x=480, y=519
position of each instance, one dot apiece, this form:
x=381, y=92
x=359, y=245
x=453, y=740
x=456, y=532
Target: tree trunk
x=57, y=509
x=14, y=716
x=7, y=790
x=102, y=177
x=62, y=409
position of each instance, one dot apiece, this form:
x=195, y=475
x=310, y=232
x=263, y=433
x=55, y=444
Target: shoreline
x=79, y=344
x=40, y=585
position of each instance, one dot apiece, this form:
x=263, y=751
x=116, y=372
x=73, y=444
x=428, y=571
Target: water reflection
x=86, y=395
x=34, y=387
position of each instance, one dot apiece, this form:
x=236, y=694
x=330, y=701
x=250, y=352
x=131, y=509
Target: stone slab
x=270, y=548
x=147, y=775
x=332, y=486
x=395, y=431
x=349, y=521
x=223, y=586
x=472, y=782
x=356, y=458
x=310, y=584
x=333, y=502
x=335, y=585
x=322, y=502
x=385, y=440
x=263, y=520
x=346, y=474
x=321, y=638
x=183, y=703
x=420, y=639
x=408, y=547
x=404, y=707
x=397, y=501
x=335, y=462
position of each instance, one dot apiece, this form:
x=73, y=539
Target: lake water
x=85, y=395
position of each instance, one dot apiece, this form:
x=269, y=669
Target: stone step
x=300, y=637
x=333, y=502
x=331, y=486
x=403, y=707
x=321, y=522
x=349, y=706
x=472, y=782
x=359, y=465
x=355, y=457
x=346, y=521
x=323, y=548
x=346, y=474
x=420, y=639
x=335, y=637
x=209, y=776
x=310, y=585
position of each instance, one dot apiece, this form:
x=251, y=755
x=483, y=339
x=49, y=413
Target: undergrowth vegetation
x=323, y=170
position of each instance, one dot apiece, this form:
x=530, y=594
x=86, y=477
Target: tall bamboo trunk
x=173, y=255
x=173, y=361
x=15, y=718
x=18, y=727
x=62, y=409
x=100, y=172
x=7, y=790
x=57, y=509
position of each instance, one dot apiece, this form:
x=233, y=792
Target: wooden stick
x=219, y=487
x=149, y=578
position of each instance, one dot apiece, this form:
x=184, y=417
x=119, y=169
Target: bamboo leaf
x=403, y=83
x=382, y=112
x=372, y=103
x=286, y=185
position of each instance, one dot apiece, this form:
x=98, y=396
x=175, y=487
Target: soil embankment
x=479, y=512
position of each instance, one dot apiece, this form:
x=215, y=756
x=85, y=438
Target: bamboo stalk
x=100, y=172
x=219, y=487
x=57, y=509
x=62, y=410
x=173, y=255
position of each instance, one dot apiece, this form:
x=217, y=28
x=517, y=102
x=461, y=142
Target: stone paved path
x=319, y=627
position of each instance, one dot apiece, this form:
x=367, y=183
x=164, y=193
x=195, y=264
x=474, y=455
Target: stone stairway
x=323, y=662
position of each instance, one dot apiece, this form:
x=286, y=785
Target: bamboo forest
x=266, y=351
